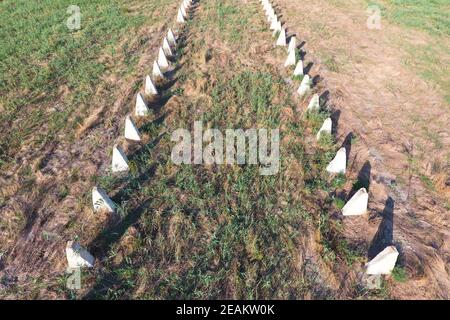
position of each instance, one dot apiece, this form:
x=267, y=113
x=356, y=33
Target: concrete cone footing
x=119, y=160
x=77, y=256
x=384, y=262
x=131, y=131
x=101, y=201
x=141, y=108
x=339, y=163
x=357, y=205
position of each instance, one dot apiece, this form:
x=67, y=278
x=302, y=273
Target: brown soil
x=392, y=113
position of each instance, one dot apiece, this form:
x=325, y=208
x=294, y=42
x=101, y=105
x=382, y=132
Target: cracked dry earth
x=385, y=109
x=401, y=126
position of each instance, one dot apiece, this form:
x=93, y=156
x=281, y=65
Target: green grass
x=232, y=219
x=338, y=181
x=189, y=231
x=399, y=274
x=40, y=57
x=222, y=231
x=433, y=18
x=339, y=203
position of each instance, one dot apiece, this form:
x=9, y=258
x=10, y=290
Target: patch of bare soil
x=398, y=126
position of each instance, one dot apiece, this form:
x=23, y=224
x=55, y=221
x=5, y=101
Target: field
x=224, y=231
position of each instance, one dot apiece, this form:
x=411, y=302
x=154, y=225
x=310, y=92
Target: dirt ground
x=394, y=124
x=391, y=113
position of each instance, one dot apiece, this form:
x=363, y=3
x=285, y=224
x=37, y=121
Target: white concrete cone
x=77, y=256
x=131, y=131
x=277, y=27
x=119, y=160
x=339, y=163
x=157, y=73
x=292, y=44
x=274, y=24
x=314, y=104
x=357, y=205
x=298, y=68
x=171, y=38
x=180, y=17
x=166, y=48
x=183, y=11
x=141, y=108
x=272, y=16
x=101, y=201
x=290, y=61
x=162, y=60
x=149, y=88
x=384, y=262
x=305, y=86
x=281, y=41
x=326, y=127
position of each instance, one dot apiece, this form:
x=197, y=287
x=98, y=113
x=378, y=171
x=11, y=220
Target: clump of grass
x=190, y=231
x=399, y=274
x=338, y=203
x=338, y=181
x=298, y=54
x=349, y=254
x=331, y=64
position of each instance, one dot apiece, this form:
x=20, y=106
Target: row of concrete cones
x=385, y=261
x=77, y=256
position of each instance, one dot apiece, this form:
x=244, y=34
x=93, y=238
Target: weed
x=338, y=203
x=338, y=181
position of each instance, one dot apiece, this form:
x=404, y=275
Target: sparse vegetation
x=399, y=274
x=179, y=231
x=433, y=18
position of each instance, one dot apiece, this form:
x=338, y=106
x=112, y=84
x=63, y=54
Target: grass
x=221, y=222
x=51, y=78
x=399, y=274
x=433, y=18
x=48, y=72
x=430, y=16
x=190, y=231
x=331, y=63
x=221, y=231
x=339, y=203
